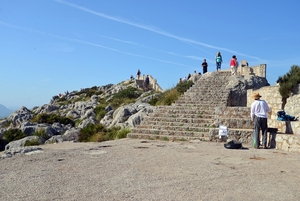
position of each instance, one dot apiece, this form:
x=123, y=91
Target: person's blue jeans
x=218, y=65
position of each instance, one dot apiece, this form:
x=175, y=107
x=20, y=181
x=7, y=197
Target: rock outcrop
x=80, y=107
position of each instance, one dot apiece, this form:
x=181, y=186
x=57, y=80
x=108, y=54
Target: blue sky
x=51, y=46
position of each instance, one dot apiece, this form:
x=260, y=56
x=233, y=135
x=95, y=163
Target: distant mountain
x=4, y=111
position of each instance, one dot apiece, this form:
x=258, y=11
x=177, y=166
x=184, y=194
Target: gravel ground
x=131, y=169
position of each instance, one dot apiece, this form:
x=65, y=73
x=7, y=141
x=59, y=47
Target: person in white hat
x=259, y=116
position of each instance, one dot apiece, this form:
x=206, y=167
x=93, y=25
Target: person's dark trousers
x=261, y=123
x=204, y=70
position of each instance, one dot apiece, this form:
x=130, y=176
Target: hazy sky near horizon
x=51, y=46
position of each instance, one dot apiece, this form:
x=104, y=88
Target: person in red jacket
x=233, y=65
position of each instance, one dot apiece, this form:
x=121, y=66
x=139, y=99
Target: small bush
x=52, y=118
x=98, y=133
x=122, y=133
x=184, y=86
x=166, y=98
x=171, y=95
x=100, y=111
x=41, y=133
x=13, y=134
x=126, y=96
x=86, y=133
x=33, y=142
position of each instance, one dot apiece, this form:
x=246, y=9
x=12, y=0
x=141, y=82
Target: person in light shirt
x=259, y=116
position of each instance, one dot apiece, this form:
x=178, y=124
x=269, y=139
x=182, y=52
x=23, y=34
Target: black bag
x=233, y=145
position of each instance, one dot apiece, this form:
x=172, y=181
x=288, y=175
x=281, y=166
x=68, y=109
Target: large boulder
x=20, y=116
x=20, y=143
x=46, y=108
x=136, y=119
x=121, y=116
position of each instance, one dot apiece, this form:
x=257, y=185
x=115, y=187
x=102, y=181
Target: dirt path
x=130, y=169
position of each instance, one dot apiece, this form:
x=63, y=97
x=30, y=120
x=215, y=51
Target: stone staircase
x=193, y=115
x=199, y=112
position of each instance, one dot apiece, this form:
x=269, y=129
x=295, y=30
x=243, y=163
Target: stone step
x=206, y=89
x=204, y=97
x=207, y=92
x=172, y=132
x=183, y=115
x=183, y=111
x=171, y=128
x=180, y=120
x=207, y=95
x=196, y=105
x=205, y=101
x=165, y=137
x=210, y=103
x=194, y=123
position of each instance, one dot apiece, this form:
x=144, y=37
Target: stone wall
x=259, y=70
x=153, y=83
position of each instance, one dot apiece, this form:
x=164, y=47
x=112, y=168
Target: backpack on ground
x=282, y=116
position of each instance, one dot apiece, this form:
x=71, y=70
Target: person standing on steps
x=138, y=74
x=204, y=65
x=233, y=65
x=236, y=64
x=147, y=82
x=219, y=61
x=258, y=114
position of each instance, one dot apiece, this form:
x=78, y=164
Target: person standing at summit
x=233, y=65
x=219, y=61
x=204, y=65
x=138, y=74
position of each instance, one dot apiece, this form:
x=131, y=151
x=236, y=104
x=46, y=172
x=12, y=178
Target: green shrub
x=98, y=133
x=171, y=95
x=155, y=101
x=32, y=142
x=89, y=130
x=52, y=118
x=126, y=96
x=184, y=86
x=13, y=134
x=122, y=133
x=289, y=81
x=130, y=92
x=41, y=133
x=100, y=111
x=166, y=98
